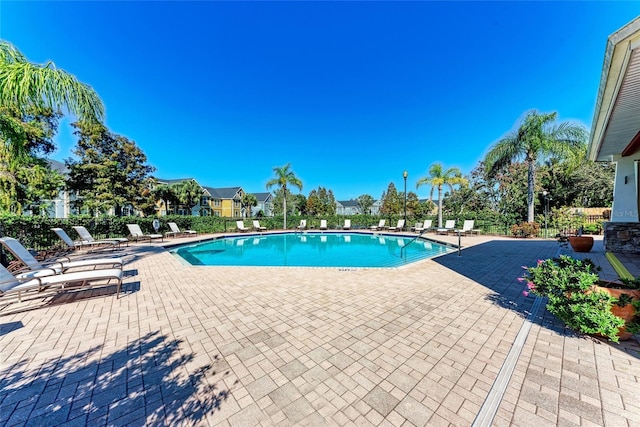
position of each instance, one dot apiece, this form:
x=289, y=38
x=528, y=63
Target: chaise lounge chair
x=10, y=285
x=257, y=226
x=137, y=234
x=85, y=236
x=398, y=226
x=323, y=224
x=175, y=231
x=449, y=226
x=347, y=224
x=425, y=226
x=81, y=244
x=380, y=225
x=303, y=225
x=35, y=268
x=467, y=228
x=240, y=226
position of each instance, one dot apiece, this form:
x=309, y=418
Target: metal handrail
x=411, y=241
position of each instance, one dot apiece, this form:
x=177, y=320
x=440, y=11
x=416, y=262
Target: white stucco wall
x=625, y=199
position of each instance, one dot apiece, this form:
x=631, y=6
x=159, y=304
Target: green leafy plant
x=569, y=285
x=593, y=228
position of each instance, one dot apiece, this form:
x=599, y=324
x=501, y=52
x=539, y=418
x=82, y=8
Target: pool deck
x=450, y=341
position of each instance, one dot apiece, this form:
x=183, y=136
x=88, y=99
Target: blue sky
x=350, y=93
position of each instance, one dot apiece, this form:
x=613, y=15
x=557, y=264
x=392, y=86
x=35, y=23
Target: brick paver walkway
x=415, y=346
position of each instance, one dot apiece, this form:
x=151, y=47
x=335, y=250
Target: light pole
x=405, y=175
x=545, y=194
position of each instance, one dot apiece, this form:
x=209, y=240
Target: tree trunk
x=530, y=191
x=284, y=208
x=439, y=206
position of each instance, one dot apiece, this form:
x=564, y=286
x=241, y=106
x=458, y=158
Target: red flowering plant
x=568, y=284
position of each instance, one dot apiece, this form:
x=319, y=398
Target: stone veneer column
x=622, y=237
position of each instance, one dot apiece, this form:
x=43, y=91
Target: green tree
x=439, y=178
x=473, y=198
x=536, y=139
x=284, y=178
x=110, y=172
x=166, y=194
x=24, y=85
x=27, y=179
x=413, y=204
x=299, y=204
x=248, y=201
x=321, y=202
x=365, y=202
x=188, y=193
x=391, y=203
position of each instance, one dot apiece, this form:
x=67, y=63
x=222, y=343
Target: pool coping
x=173, y=246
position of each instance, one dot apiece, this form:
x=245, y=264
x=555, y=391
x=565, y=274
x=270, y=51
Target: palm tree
x=188, y=193
x=24, y=85
x=438, y=178
x=284, y=176
x=537, y=138
x=248, y=201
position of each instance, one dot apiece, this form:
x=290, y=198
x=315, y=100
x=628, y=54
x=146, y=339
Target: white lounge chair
x=35, y=268
x=380, y=225
x=137, y=234
x=240, y=226
x=347, y=224
x=175, y=231
x=10, y=285
x=426, y=225
x=80, y=244
x=323, y=224
x=257, y=226
x=449, y=226
x=85, y=236
x=467, y=227
x=398, y=226
x=303, y=225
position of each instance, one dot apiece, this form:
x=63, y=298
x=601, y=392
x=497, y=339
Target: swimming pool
x=311, y=249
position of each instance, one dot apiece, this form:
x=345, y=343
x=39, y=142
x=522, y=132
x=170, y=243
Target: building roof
x=223, y=193
x=262, y=197
x=616, y=128
x=348, y=203
x=173, y=181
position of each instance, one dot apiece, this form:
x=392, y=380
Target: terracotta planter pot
x=627, y=312
x=581, y=243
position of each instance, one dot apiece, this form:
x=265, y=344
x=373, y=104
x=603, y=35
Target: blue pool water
x=311, y=250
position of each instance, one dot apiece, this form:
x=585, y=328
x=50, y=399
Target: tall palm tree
x=24, y=84
x=248, y=201
x=537, y=138
x=438, y=178
x=189, y=192
x=284, y=176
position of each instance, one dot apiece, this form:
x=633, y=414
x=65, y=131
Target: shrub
x=525, y=229
x=568, y=284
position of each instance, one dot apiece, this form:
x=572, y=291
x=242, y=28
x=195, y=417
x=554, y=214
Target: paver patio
x=414, y=346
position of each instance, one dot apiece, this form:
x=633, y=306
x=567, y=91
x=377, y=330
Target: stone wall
x=622, y=237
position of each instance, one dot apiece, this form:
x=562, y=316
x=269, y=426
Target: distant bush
x=525, y=229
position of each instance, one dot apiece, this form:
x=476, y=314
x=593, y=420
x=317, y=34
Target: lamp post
x=545, y=194
x=405, y=175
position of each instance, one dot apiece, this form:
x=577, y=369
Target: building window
x=216, y=202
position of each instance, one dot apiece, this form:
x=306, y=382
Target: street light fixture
x=405, y=175
x=545, y=194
